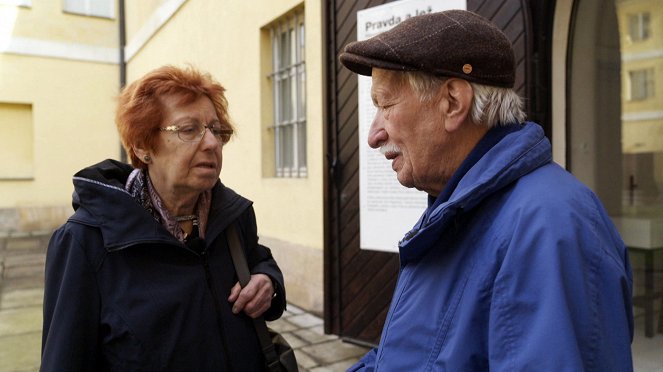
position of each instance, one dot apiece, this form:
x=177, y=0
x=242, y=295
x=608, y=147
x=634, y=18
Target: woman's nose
x=377, y=135
x=209, y=139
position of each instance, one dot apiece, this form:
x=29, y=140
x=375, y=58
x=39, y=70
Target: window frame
x=639, y=26
x=288, y=79
x=641, y=84
x=19, y=133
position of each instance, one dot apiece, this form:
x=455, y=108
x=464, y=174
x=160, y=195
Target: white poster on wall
x=387, y=209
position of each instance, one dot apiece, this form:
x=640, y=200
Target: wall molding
x=642, y=56
x=58, y=49
x=23, y=3
x=642, y=115
x=84, y=52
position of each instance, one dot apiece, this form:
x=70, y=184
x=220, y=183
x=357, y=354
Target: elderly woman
x=140, y=277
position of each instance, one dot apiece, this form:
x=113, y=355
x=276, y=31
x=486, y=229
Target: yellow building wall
x=224, y=38
x=45, y=20
x=61, y=65
x=643, y=119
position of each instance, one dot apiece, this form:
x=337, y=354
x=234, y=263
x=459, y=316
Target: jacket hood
x=516, y=155
x=100, y=200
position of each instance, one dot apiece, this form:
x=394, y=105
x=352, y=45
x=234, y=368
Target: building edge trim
x=159, y=18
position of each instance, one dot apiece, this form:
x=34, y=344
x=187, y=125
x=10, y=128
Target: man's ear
x=458, y=95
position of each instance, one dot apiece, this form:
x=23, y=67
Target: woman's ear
x=142, y=154
x=458, y=95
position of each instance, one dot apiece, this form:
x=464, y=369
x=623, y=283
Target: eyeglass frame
x=176, y=129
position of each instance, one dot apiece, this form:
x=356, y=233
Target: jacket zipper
x=210, y=286
x=217, y=306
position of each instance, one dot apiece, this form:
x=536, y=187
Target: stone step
x=18, y=260
x=26, y=244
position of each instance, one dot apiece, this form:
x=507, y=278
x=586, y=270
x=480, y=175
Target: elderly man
x=515, y=265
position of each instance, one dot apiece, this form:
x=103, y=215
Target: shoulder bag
x=279, y=356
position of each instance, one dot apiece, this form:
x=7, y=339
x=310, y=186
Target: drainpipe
x=333, y=310
x=123, y=65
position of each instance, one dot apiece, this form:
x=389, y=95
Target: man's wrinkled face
x=409, y=132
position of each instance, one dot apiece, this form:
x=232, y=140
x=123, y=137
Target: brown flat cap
x=454, y=43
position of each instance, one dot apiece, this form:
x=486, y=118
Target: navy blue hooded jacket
x=123, y=294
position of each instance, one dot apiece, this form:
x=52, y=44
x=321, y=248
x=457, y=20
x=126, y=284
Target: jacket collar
x=100, y=200
x=517, y=154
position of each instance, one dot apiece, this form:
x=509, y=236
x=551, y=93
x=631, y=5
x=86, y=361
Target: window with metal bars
x=288, y=78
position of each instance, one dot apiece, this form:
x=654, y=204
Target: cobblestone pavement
x=22, y=259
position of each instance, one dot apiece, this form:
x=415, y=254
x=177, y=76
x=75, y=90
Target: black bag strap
x=243, y=274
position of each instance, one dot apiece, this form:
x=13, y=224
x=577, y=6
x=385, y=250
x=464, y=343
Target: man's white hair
x=491, y=106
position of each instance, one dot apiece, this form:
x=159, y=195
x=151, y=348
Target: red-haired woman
x=140, y=277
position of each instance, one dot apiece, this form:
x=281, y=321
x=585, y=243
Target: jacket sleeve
x=562, y=297
x=366, y=363
x=260, y=260
x=71, y=307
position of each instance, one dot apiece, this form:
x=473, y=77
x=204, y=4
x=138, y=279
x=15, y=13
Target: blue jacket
x=521, y=269
x=123, y=294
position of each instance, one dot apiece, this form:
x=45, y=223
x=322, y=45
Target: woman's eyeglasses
x=192, y=130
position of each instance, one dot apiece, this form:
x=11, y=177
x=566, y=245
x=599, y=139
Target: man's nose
x=377, y=135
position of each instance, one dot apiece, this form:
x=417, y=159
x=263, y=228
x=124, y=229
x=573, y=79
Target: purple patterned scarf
x=139, y=186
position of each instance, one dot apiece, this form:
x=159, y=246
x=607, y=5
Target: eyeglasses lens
x=193, y=131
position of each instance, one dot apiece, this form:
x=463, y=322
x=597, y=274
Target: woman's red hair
x=140, y=111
